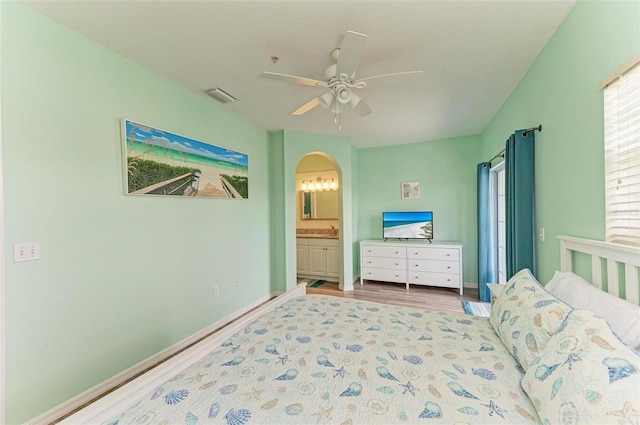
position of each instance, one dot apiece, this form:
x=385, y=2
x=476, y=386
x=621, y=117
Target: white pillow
x=622, y=316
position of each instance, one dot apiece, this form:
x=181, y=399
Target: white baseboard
x=105, y=386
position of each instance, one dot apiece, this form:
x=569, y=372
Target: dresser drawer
x=446, y=254
x=384, y=251
x=434, y=266
x=386, y=275
x=448, y=280
x=385, y=263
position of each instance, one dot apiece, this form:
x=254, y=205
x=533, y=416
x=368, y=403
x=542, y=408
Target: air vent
x=220, y=95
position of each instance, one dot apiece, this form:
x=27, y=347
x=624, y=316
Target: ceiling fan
x=340, y=80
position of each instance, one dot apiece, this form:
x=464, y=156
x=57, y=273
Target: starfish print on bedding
x=412, y=328
x=409, y=388
x=467, y=336
x=626, y=414
x=254, y=393
x=322, y=412
x=340, y=372
x=571, y=359
x=234, y=349
x=493, y=408
x=197, y=378
x=283, y=359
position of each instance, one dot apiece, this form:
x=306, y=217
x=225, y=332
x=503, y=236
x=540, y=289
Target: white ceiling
x=473, y=53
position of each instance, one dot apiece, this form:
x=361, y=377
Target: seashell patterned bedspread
x=327, y=360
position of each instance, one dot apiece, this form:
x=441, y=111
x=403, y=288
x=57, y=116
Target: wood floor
x=424, y=297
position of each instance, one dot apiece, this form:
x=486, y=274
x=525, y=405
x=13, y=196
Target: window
x=499, y=222
x=622, y=155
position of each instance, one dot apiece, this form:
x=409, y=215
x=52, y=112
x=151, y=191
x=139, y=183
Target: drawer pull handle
x=397, y=264
x=448, y=255
x=369, y=262
x=448, y=267
x=397, y=252
x=448, y=280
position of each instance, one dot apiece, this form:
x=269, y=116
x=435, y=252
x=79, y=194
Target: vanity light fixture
x=318, y=185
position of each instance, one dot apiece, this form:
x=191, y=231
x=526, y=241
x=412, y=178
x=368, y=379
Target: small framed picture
x=410, y=190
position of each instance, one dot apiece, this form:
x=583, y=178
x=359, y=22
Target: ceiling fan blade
x=391, y=80
x=294, y=79
x=350, y=53
x=307, y=106
x=362, y=108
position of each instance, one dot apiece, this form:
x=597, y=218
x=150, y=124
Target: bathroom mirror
x=319, y=205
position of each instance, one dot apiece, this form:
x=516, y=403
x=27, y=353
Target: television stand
x=416, y=262
x=407, y=239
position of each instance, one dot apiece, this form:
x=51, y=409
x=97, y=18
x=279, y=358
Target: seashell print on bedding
x=390, y=365
x=176, y=396
x=237, y=417
x=431, y=410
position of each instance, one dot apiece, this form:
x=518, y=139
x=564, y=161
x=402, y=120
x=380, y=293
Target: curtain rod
x=524, y=134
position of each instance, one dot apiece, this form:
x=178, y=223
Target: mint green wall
x=296, y=145
x=276, y=210
x=120, y=277
x=355, y=207
x=560, y=91
x=446, y=170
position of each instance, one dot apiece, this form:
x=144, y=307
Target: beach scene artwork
x=410, y=190
x=162, y=163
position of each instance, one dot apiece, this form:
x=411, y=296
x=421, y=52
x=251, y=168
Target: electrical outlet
x=26, y=251
x=238, y=282
x=541, y=234
x=216, y=291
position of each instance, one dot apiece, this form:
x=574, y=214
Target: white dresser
x=415, y=262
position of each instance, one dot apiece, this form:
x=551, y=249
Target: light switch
x=26, y=251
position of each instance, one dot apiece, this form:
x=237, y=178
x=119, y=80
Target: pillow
x=585, y=375
x=622, y=316
x=525, y=316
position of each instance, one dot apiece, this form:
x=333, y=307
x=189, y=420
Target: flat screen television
x=407, y=225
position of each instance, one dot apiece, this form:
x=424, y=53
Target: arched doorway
x=319, y=255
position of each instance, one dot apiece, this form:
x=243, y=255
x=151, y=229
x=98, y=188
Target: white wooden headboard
x=612, y=255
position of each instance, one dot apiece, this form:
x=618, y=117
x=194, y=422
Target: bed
x=304, y=359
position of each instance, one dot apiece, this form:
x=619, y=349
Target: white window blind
x=622, y=157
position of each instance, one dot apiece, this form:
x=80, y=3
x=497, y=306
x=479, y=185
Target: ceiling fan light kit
x=326, y=99
x=340, y=80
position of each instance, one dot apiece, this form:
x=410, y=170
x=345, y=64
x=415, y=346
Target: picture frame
x=410, y=190
x=160, y=163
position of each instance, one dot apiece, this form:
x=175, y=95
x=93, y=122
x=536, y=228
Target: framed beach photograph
x=410, y=190
x=157, y=162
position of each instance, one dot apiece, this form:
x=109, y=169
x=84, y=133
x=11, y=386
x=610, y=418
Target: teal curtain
x=306, y=205
x=486, y=251
x=520, y=203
